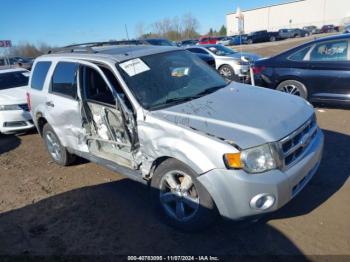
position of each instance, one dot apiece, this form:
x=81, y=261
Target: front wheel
x=272, y=39
x=180, y=198
x=293, y=87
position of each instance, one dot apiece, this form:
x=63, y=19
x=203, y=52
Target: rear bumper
x=14, y=121
x=233, y=190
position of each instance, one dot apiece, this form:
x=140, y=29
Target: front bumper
x=233, y=190
x=241, y=70
x=15, y=120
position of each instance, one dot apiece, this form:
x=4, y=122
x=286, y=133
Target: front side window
x=299, y=55
x=95, y=87
x=165, y=79
x=39, y=75
x=13, y=79
x=331, y=51
x=64, y=79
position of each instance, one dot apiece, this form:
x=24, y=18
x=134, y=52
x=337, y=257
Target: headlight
x=9, y=107
x=255, y=160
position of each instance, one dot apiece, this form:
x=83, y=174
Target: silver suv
x=161, y=116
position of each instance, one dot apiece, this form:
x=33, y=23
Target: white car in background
x=230, y=63
x=14, y=111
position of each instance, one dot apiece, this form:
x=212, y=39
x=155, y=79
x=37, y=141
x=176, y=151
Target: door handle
x=50, y=103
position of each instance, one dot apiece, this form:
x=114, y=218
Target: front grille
x=15, y=124
x=24, y=107
x=295, y=144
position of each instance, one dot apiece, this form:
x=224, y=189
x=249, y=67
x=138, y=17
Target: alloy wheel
x=178, y=196
x=53, y=145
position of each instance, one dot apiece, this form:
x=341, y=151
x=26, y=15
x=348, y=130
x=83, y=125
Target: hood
x=248, y=116
x=12, y=96
x=249, y=57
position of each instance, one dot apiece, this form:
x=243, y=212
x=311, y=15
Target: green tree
x=222, y=30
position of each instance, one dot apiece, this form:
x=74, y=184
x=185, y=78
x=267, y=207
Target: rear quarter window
x=299, y=55
x=39, y=75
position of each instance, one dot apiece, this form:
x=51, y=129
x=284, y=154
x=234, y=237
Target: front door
x=104, y=117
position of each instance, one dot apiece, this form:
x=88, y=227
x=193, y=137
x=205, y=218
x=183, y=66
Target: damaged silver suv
x=161, y=116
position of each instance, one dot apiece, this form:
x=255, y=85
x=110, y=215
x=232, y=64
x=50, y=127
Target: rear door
x=330, y=69
x=63, y=105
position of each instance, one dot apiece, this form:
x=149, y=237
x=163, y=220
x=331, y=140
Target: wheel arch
x=40, y=122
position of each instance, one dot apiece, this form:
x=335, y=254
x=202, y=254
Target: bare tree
x=190, y=26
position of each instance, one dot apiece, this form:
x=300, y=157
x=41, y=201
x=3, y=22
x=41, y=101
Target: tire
x=272, y=39
x=58, y=153
x=293, y=87
x=180, y=199
x=227, y=72
x=249, y=41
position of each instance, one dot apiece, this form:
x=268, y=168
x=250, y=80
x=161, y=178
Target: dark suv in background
x=262, y=36
x=318, y=71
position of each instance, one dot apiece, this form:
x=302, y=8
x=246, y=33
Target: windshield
x=221, y=50
x=13, y=79
x=161, y=80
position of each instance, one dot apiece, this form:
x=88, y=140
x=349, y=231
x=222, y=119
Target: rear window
x=13, y=79
x=299, y=55
x=64, y=79
x=39, y=75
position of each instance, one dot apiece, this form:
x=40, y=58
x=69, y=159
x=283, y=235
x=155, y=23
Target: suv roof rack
x=87, y=47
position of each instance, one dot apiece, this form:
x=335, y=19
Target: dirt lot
x=86, y=209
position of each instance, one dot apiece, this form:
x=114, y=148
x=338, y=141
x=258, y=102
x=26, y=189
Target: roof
x=118, y=53
x=267, y=6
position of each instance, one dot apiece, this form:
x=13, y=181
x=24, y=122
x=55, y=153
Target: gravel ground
x=86, y=209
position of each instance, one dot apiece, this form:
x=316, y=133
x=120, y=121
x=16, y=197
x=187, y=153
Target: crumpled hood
x=13, y=96
x=248, y=116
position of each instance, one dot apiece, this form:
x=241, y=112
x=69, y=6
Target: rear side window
x=299, y=55
x=64, y=79
x=331, y=51
x=39, y=75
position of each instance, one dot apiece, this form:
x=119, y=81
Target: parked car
x=16, y=61
x=329, y=29
x=312, y=30
x=208, y=59
x=14, y=112
x=347, y=29
x=239, y=39
x=262, y=36
x=158, y=41
x=226, y=41
x=207, y=40
x=231, y=64
x=161, y=116
x=189, y=42
x=292, y=33
x=318, y=71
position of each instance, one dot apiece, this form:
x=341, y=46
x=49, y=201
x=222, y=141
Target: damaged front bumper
x=235, y=192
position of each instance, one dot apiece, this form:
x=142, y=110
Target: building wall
x=301, y=13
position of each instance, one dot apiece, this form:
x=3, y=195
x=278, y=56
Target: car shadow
x=333, y=172
x=8, y=143
x=117, y=219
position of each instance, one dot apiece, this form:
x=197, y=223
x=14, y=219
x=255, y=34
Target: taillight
x=28, y=102
x=258, y=69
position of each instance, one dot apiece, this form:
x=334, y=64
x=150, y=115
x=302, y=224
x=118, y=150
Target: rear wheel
x=272, y=39
x=58, y=153
x=180, y=198
x=249, y=41
x=293, y=87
